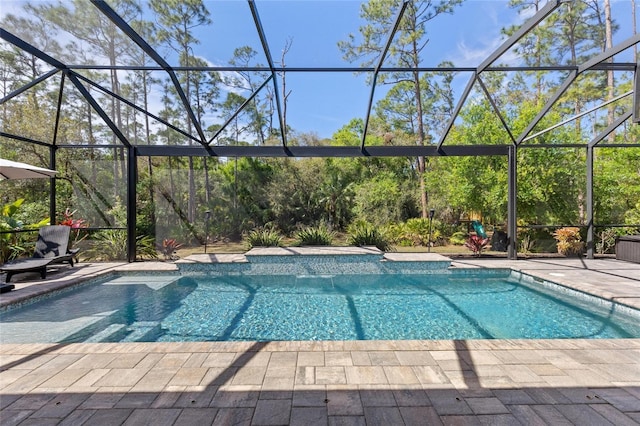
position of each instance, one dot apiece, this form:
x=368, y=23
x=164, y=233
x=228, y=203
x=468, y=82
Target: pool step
x=108, y=334
x=142, y=331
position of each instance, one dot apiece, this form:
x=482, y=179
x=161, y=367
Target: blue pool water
x=315, y=307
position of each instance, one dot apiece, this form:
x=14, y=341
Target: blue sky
x=322, y=103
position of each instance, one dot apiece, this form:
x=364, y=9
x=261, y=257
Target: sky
x=321, y=103
x=324, y=102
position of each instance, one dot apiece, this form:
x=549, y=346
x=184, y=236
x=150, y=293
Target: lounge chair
x=51, y=247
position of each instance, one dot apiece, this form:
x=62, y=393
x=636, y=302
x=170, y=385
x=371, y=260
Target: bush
x=168, y=248
x=569, y=241
x=476, y=244
x=264, y=237
x=364, y=234
x=415, y=232
x=606, y=239
x=458, y=238
x=111, y=244
x=314, y=236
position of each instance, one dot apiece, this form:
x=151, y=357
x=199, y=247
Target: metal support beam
x=94, y=104
x=605, y=66
x=376, y=71
x=23, y=139
x=52, y=186
x=590, y=227
x=636, y=95
x=146, y=47
x=132, y=178
x=522, y=31
x=612, y=51
x=28, y=86
x=242, y=107
x=575, y=117
x=136, y=107
x=253, y=151
x=496, y=109
x=21, y=44
x=610, y=128
x=272, y=69
x=52, y=154
x=512, y=202
x=56, y=125
x=552, y=100
x=593, y=63
x=457, y=109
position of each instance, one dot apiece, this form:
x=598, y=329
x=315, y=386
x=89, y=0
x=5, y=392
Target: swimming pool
x=462, y=304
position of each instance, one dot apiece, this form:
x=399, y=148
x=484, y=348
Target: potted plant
x=569, y=241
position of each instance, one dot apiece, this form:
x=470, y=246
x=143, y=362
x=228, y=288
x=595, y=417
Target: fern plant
x=314, y=236
x=362, y=233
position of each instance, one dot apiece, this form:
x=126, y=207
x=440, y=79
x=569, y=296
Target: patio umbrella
x=16, y=170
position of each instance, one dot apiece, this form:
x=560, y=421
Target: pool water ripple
x=322, y=307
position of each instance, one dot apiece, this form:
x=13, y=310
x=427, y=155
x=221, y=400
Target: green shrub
x=264, y=237
x=415, y=232
x=364, y=234
x=111, y=244
x=458, y=238
x=314, y=236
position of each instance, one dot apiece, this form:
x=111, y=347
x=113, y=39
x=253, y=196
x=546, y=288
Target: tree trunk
x=608, y=32
x=424, y=201
x=147, y=130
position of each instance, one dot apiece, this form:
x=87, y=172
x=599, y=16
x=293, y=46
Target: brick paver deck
x=334, y=383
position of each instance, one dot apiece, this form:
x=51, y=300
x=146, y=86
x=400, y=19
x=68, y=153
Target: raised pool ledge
x=315, y=260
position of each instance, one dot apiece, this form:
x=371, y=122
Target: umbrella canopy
x=16, y=170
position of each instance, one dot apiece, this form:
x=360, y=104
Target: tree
x=178, y=18
x=260, y=111
x=406, y=51
x=104, y=40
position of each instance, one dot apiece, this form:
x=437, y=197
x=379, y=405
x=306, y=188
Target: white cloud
x=474, y=47
x=472, y=56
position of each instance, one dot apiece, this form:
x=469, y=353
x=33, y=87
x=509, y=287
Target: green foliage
x=8, y=219
x=314, y=236
x=146, y=247
x=379, y=199
x=415, y=232
x=458, y=238
x=16, y=244
x=362, y=233
x=111, y=244
x=264, y=237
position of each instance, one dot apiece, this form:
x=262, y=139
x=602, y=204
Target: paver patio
x=338, y=382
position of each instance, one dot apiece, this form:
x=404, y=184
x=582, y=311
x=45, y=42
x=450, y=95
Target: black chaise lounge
x=51, y=247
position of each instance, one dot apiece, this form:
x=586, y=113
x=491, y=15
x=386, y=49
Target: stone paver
x=533, y=382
